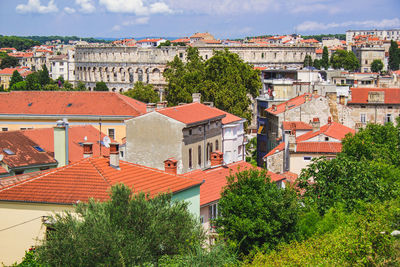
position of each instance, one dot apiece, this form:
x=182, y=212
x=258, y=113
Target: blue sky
x=222, y=18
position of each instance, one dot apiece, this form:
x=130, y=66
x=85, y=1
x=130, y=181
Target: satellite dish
x=106, y=141
x=1, y=157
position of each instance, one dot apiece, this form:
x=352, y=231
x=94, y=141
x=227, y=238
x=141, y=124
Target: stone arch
x=131, y=75
x=114, y=74
x=121, y=74
x=147, y=75
x=121, y=90
x=114, y=89
x=140, y=74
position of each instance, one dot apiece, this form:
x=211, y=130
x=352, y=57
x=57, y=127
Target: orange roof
x=200, y=35
x=76, y=135
x=292, y=103
x=290, y=176
x=215, y=179
x=10, y=71
x=181, y=40
x=360, y=95
x=334, y=130
x=318, y=51
x=343, y=42
x=192, y=113
x=397, y=72
x=92, y=178
x=319, y=147
x=19, y=151
x=211, y=41
x=70, y=103
x=309, y=41
x=298, y=125
x=229, y=118
x=2, y=170
x=278, y=148
x=260, y=68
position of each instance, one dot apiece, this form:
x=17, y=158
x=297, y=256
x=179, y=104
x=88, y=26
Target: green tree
x=345, y=60
x=351, y=63
x=144, y=93
x=377, y=65
x=15, y=78
x=44, y=77
x=255, y=213
x=251, y=151
x=19, y=86
x=101, y=86
x=307, y=61
x=8, y=62
x=32, y=82
x=166, y=43
x=68, y=86
x=394, y=56
x=223, y=79
x=317, y=64
x=128, y=230
x=80, y=86
x=51, y=87
x=325, y=58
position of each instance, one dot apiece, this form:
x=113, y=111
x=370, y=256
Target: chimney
x=87, y=150
x=315, y=124
x=61, y=142
x=170, y=166
x=217, y=158
x=292, y=141
x=273, y=107
x=196, y=97
x=114, y=155
x=150, y=107
x=161, y=105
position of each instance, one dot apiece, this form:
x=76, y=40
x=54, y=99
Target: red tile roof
x=278, y=148
x=334, y=130
x=181, y=40
x=149, y=40
x=215, y=179
x=82, y=103
x=192, y=113
x=309, y=41
x=318, y=51
x=229, y=118
x=24, y=153
x=298, y=125
x=319, y=147
x=10, y=71
x=360, y=95
x=290, y=104
x=92, y=178
x=3, y=171
x=260, y=68
x=76, y=134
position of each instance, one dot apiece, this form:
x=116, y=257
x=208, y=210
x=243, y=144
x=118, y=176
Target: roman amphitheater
x=121, y=66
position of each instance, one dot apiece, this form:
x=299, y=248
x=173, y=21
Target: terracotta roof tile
x=319, y=147
x=298, y=125
x=82, y=103
x=3, y=171
x=192, y=113
x=292, y=103
x=215, y=179
x=19, y=151
x=149, y=40
x=92, y=178
x=76, y=134
x=334, y=130
x=360, y=95
x=229, y=118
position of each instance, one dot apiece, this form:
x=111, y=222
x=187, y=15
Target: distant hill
x=65, y=39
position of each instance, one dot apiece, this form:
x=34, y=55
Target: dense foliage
x=255, y=213
x=8, y=61
x=18, y=43
x=345, y=59
x=394, y=56
x=128, y=230
x=15, y=78
x=143, y=92
x=320, y=36
x=377, y=65
x=308, y=62
x=325, y=58
x=101, y=86
x=223, y=79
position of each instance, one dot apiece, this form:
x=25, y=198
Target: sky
x=181, y=18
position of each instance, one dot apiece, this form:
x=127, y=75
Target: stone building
x=121, y=66
x=390, y=34
x=186, y=133
x=374, y=105
x=367, y=54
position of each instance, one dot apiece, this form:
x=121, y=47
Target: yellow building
x=6, y=74
x=106, y=111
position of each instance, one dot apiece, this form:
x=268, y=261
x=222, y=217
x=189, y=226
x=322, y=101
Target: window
x=122, y=154
x=4, y=129
x=216, y=145
x=61, y=69
x=326, y=138
x=362, y=118
x=190, y=132
x=111, y=133
x=307, y=158
x=181, y=55
x=190, y=158
x=201, y=219
x=61, y=63
x=362, y=106
x=199, y=155
x=213, y=210
x=239, y=150
x=388, y=118
x=38, y=148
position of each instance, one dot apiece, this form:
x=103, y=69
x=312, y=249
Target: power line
x=15, y=225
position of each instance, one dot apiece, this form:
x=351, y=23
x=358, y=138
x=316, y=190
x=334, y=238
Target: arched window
x=190, y=158
x=199, y=155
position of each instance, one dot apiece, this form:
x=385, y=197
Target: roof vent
x=69, y=104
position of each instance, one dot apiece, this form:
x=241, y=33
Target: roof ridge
x=91, y=160
x=126, y=102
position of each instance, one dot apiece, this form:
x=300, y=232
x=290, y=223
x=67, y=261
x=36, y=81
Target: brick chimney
x=114, y=155
x=87, y=150
x=170, y=165
x=217, y=158
x=196, y=97
x=315, y=124
x=150, y=107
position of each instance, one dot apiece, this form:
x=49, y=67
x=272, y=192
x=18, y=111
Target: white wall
x=234, y=148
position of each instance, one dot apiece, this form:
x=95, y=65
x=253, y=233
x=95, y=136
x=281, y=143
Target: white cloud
x=137, y=7
x=69, y=10
x=34, y=6
x=86, y=6
x=313, y=26
x=131, y=22
x=116, y=28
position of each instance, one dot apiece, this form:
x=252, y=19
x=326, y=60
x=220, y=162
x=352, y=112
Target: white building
x=233, y=139
x=392, y=34
x=150, y=42
x=59, y=67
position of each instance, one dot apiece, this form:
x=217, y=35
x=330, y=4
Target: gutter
x=54, y=116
